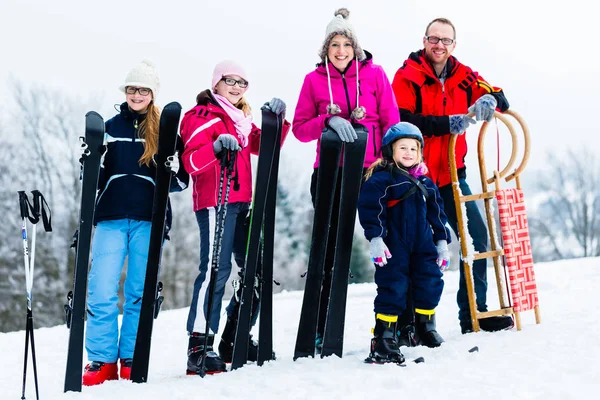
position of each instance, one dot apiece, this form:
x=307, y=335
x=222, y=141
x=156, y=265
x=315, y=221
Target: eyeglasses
x=231, y=82
x=435, y=40
x=141, y=90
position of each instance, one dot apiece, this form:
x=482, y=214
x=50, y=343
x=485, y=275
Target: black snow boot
x=405, y=328
x=384, y=346
x=425, y=329
x=491, y=324
x=213, y=363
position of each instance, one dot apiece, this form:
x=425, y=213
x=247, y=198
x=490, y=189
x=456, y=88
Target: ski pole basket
x=513, y=261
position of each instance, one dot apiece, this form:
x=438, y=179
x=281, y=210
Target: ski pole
x=227, y=163
x=32, y=213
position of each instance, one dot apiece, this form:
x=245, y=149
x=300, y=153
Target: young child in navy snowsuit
x=123, y=220
x=402, y=214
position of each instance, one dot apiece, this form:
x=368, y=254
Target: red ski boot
x=98, y=372
x=125, y=371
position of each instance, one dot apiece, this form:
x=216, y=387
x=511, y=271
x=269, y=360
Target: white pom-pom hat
x=143, y=75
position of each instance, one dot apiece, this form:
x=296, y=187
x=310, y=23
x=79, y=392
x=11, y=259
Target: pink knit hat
x=228, y=67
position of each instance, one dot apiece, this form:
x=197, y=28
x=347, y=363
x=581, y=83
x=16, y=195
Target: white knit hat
x=143, y=75
x=340, y=25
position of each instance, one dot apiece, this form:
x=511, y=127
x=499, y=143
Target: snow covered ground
x=557, y=359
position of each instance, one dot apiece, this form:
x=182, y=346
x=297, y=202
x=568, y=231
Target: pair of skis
x=259, y=254
x=151, y=299
x=32, y=213
x=330, y=154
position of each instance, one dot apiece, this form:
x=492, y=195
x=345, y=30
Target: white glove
x=484, y=108
x=459, y=123
x=443, y=260
x=173, y=163
x=379, y=252
x=83, y=149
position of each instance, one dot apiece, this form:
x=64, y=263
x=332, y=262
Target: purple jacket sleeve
x=307, y=124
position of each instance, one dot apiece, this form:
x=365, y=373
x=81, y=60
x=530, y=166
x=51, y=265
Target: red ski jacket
x=200, y=127
x=427, y=102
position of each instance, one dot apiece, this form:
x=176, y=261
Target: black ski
x=271, y=130
x=265, y=337
x=331, y=147
x=354, y=156
x=94, y=138
x=167, y=139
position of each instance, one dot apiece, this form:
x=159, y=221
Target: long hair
x=243, y=105
x=380, y=162
x=148, y=130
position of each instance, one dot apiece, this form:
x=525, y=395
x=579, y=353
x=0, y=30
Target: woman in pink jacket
x=345, y=87
x=221, y=120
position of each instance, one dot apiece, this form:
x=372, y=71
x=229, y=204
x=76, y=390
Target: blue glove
x=459, y=123
x=343, y=128
x=443, y=260
x=379, y=252
x=484, y=108
x=226, y=141
x=276, y=105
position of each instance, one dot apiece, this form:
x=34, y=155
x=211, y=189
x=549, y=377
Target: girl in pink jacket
x=221, y=120
x=345, y=87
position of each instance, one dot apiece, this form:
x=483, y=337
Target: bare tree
x=38, y=152
x=566, y=223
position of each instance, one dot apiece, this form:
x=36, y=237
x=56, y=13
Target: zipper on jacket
x=347, y=95
x=374, y=142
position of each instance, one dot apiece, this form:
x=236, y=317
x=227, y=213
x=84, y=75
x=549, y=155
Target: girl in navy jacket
x=403, y=217
x=122, y=218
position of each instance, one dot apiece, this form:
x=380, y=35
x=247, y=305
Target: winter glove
x=459, y=123
x=226, y=141
x=276, y=105
x=172, y=163
x=443, y=260
x=343, y=128
x=379, y=252
x=484, y=108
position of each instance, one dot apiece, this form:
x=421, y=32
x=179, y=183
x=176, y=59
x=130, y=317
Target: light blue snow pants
x=113, y=241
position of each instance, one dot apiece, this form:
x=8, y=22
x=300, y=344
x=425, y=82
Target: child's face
x=229, y=87
x=138, y=99
x=406, y=152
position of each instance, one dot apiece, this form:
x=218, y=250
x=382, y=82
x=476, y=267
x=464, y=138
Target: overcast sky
x=544, y=56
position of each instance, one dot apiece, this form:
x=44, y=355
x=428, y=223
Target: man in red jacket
x=434, y=91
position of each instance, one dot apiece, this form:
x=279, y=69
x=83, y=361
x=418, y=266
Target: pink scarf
x=243, y=124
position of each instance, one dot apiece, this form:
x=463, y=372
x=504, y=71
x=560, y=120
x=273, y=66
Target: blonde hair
x=243, y=105
x=379, y=162
x=148, y=130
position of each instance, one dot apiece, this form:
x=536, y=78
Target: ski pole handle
x=23, y=203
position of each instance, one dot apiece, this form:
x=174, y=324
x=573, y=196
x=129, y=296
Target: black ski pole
x=227, y=163
x=32, y=213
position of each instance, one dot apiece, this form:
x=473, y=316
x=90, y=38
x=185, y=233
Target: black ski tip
x=419, y=360
x=172, y=106
x=94, y=113
x=474, y=349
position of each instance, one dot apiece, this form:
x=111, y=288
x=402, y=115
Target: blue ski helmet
x=401, y=130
